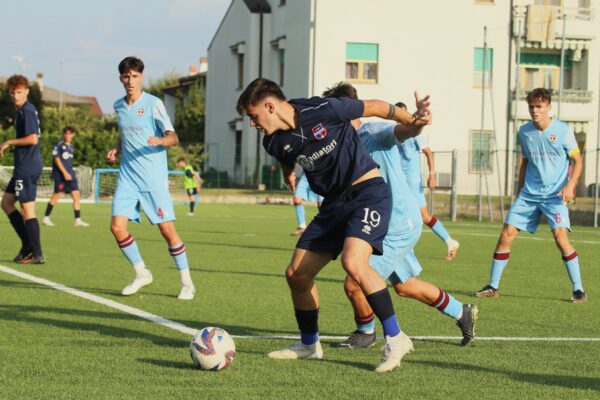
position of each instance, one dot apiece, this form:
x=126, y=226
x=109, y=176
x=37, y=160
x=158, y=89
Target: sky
x=77, y=44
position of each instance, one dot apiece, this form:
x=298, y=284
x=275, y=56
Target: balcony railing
x=568, y=95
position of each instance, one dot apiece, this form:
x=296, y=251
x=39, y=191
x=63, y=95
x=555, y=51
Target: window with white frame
x=362, y=62
x=480, y=151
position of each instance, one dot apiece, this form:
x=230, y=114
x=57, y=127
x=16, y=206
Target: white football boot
x=297, y=351
x=187, y=293
x=80, y=224
x=46, y=221
x=139, y=282
x=394, y=349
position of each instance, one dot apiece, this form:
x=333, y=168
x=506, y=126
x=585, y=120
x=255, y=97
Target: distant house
x=182, y=88
x=52, y=97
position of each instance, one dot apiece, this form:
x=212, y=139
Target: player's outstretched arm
x=567, y=191
x=382, y=109
x=170, y=139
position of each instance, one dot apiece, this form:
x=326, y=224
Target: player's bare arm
x=381, y=109
x=403, y=132
x=62, y=169
x=431, y=182
x=111, y=156
x=170, y=139
x=29, y=140
x=567, y=191
x=522, y=170
x=289, y=177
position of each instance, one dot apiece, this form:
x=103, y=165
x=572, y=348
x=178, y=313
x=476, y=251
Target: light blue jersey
x=143, y=167
x=409, y=155
x=399, y=262
x=547, y=155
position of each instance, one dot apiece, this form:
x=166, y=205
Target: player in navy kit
x=354, y=217
x=28, y=168
x=64, y=177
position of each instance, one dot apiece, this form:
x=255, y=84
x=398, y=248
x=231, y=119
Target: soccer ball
x=212, y=349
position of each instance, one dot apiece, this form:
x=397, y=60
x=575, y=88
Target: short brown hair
x=539, y=94
x=257, y=90
x=16, y=81
x=131, y=64
x=69, y=128
x=341, y=89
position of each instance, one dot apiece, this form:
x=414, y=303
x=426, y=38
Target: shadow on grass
x=567, y=381
x=280, y=275
x=227, y=245
x=168, y=363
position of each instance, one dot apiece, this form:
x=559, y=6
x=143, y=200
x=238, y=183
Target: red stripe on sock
x=180, y=253
x=570, y=256
x=128, y=241
x=501, y=256
x=445, y=302
x=364, y=320
x=177, y=249
x=432, y=221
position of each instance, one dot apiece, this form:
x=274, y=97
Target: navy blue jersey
x=324, y=144
x=28, y=160
x=64, y=152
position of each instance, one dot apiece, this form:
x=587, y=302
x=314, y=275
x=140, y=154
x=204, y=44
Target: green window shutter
x=544, y=59
x=362, y=51
x=478, y=64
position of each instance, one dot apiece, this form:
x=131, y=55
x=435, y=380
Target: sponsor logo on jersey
x=287, y=148
x=319, y=132
x=308, y=162
x=140, y=111
x=552, y=138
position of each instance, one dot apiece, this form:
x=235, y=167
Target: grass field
x=56, y=345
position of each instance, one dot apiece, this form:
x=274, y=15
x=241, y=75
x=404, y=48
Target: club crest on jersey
x=140, y=112
x=552, y=138
x=319, y=132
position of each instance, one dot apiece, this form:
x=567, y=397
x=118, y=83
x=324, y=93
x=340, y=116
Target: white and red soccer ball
x=212, y=349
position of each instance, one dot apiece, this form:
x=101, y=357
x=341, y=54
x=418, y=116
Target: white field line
x=191, y=331
x=520, y=237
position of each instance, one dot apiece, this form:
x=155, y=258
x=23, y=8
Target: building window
x=362, y=62
x=479, y=67
x=543, y=70
x=281, y=66
x=480, y=151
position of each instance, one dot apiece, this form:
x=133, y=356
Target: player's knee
x=118, y=230
x=296, y=280
x=297, y=201
x=353, y=267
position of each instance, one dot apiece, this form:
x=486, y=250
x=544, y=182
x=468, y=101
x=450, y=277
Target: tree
x=156, y=86
x=189, y=118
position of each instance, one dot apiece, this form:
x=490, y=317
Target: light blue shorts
x=525, y=214
x=304, y=191
x=157, y=204
x=398, y=262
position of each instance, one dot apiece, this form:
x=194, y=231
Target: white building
x=388, y=48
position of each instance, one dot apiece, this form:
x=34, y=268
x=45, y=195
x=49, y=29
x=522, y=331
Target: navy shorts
x=363, y=211
x=67, y=187
x=24, y=188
